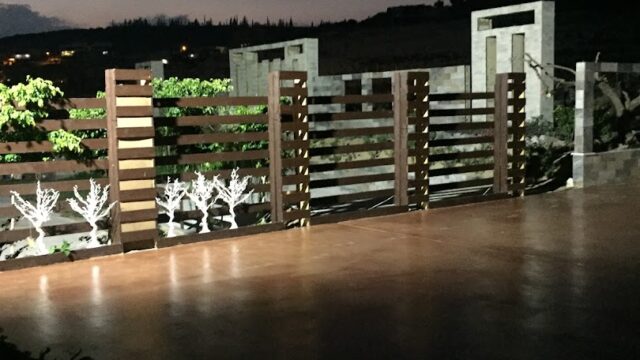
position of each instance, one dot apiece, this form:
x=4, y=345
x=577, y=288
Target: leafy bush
x=22, y=107
x=547, y=144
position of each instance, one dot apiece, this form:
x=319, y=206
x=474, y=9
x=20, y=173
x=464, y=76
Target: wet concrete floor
x=555, y=276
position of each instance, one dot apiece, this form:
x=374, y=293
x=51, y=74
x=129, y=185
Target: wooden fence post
x=418, y=94
x=275, y=148
x=517, y=131
x=400, y=83
x=293, y=125
x=299, y=103
x=131, y=133
x=500, y=135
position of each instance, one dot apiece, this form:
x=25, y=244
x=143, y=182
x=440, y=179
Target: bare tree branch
x=634, y=104
x=610, y=93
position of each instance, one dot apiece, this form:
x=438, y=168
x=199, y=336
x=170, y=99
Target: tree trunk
x=93, y=237
x=204, y=223
x=40, y=245
x=171, y=232
x=232, y=212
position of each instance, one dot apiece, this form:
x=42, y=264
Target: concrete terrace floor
x=555, y=276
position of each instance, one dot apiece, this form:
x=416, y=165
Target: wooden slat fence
x=35, y=160
x=312, y=160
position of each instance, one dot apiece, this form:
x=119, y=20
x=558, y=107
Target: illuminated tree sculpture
x=171, y=199
x=201, y=193
x=234, y=194
x=39, y=213
x=92, y=208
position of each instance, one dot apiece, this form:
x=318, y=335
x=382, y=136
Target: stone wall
x=499, y=45
x=590, y=168
x=250, y=66
x=606, y=168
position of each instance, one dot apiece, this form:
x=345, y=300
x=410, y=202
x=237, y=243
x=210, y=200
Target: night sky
x=101, y=12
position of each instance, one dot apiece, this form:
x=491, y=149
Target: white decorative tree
x=170, y=201
x=233, y=195
x=201, y=193
x=92, y=208
x=39, y=213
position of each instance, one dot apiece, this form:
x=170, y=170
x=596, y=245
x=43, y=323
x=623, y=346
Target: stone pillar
x=585, y=82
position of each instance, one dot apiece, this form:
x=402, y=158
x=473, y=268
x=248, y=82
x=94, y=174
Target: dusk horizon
x=304, y=12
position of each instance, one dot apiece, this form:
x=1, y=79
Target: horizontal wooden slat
x=137, y=174
x=85, y=103
x=136, y=133
x=137, y=195
x=346, y=149
x=210, y=101
x=30, y=147
x=460, y=112
x=140, y=153
x=134, y=91
x=350, y=99
x=134, y=111
x=206, y=120
x=52, y=166
x=72, y=124
x=212, y=138
x=343, y=116
x=460, y=170
x=186, y=159
x=462, y=126
x=461, y=96
x=138, y=216
x=460, y=141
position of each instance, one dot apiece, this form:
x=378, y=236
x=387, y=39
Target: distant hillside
x=402, y=37
x=20, y=19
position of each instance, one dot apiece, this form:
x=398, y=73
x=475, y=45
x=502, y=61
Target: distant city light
x=192, y=56
x=67, y=53
x=165, y=61
x=105, y=52
x=184, y=48
x=22, y=56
